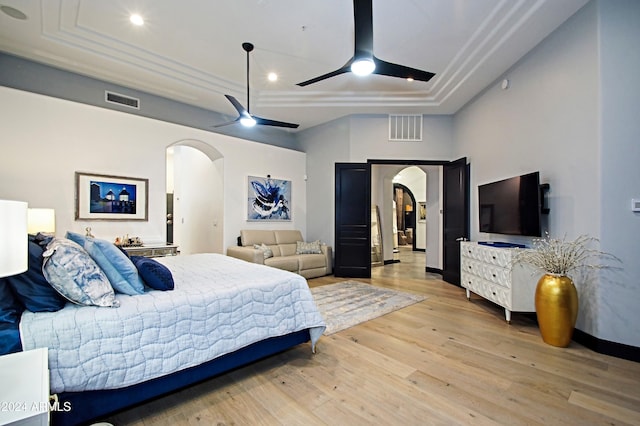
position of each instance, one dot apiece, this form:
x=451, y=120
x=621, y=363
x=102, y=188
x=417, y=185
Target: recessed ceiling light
x=13, y=12
x=272, y=76
x=136, y=19
x=409, y=79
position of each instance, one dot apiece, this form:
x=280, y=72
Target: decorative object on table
x=556, y=296
x=88, y=232
x=127, y=241
x=105, y=197
x=268, y=199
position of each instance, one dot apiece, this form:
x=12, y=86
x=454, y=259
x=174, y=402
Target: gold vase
x=556, y=309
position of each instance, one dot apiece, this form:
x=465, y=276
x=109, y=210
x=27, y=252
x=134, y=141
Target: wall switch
x=635, y=205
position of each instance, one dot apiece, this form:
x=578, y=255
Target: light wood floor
x=445, y=360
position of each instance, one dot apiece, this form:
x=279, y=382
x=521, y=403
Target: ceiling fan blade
x=236, y=104
x=363, y=28
x=342, y=70
x=267, y=122
x=244, y=113
x=395, y=70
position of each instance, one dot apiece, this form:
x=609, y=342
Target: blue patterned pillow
x=155, y=275
x=73, y=273
x=116, y=265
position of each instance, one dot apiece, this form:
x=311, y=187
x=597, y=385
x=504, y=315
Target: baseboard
x=618, y=350
x=433, y=270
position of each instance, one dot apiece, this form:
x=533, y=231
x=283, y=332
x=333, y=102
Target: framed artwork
x=105, y=197
x=422, y=211
x=268, y=199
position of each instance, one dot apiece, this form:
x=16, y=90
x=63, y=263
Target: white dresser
x=487, y=272
x=24, y=389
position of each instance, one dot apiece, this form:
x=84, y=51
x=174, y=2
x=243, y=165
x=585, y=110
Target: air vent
x=405, y=128
x=117, y=98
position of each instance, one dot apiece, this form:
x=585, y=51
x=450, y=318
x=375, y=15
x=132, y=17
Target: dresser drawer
x=491, y=255
x=489, y=272
x=488, y=290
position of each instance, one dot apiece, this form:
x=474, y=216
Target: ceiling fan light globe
x=247, y=121
x=362, y=67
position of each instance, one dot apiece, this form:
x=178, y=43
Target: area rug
x=349, y=303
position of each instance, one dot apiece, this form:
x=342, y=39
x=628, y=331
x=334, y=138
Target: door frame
x=401, y=162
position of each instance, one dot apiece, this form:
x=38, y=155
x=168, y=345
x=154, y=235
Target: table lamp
x=13, y=238
x=41, y=220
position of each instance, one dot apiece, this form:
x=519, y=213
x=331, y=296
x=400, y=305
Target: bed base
x=84, y=407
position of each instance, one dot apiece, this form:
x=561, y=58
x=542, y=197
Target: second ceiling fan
x=364, y=61
x=244, y=115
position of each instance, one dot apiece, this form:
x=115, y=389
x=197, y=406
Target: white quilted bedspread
x=219, y=304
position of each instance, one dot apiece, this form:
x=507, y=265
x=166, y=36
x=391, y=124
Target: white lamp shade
x=41, y=220
x=13, y=238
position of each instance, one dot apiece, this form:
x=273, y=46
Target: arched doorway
x=195, y=197
x=406, y=208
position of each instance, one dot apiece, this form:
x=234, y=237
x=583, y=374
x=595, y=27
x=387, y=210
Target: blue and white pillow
x=73, y=273
x=116, y=265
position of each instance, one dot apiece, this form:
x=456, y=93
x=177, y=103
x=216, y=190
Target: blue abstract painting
x=269, y=199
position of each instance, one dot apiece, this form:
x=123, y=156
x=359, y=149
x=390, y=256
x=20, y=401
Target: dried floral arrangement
x=561, y=257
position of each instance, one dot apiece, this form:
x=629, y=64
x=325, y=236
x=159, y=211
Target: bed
x=222, y=313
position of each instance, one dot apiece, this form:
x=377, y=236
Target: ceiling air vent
x=405, y=128
x=117, y=98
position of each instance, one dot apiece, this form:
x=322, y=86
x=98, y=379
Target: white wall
x=45, y=140
x=571, y=113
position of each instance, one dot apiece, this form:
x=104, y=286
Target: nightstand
x=152, y=250
x=24, y=394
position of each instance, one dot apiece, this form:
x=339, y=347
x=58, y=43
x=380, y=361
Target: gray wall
x=359, y=138
x=571, y=112
x=27, y=75
x=619, y=174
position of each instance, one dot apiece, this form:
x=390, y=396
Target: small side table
x=24, y=394
x=152, y=250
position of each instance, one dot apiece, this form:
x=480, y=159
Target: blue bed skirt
x=86, y=407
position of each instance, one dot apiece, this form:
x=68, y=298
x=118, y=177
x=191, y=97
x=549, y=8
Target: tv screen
x=511, y=206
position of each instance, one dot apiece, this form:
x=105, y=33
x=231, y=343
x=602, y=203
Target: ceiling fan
x=244, y=115
x=364, y=61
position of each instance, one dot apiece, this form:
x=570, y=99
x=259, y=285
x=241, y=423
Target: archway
x=195, y=196
x=406, y=208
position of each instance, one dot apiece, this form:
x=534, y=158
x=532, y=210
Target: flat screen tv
x=511, y=206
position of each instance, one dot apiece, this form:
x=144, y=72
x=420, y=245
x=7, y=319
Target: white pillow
x=266, y=251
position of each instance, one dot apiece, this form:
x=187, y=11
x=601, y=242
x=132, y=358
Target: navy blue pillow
x=10, y=312
x=153, y=273
x=32, y=289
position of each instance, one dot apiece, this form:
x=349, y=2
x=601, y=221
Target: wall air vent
x=117, y=98
x=405, y=127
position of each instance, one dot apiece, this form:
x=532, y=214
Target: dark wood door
x=455, y=217
x=352, y=220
